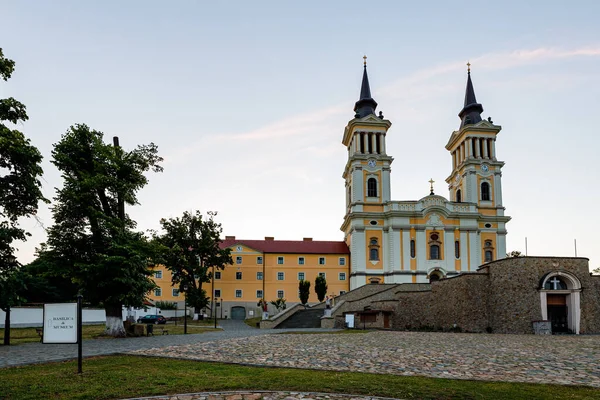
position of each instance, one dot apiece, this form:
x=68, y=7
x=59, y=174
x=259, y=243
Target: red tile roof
x=290, y=246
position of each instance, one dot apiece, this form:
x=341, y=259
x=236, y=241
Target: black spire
x=471, y=112
x=365, y=105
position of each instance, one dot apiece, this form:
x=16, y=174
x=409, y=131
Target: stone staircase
x=309, y=318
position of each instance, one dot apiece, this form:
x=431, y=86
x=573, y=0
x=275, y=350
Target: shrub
x=166, y=305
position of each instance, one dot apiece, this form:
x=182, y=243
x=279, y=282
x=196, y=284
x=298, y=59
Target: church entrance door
x=558, y=312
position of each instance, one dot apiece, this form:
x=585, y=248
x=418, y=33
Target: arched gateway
x=560, y=301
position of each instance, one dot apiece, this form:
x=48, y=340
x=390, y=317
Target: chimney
x=307, y=239
x=229, y=237
x=269, y=238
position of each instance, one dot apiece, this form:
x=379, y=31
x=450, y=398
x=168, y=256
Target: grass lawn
x=253, y=321
x=115, y=377
x=27, y=335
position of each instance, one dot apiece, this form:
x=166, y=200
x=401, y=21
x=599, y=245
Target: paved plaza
x=569, y=360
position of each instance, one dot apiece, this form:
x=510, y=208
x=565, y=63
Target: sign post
x=62, y=324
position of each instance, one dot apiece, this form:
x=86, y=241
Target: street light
x=216, y=299
x=185, y=288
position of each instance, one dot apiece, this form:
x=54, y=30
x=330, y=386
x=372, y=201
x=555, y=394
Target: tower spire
x=471, y=112
x=365, y=105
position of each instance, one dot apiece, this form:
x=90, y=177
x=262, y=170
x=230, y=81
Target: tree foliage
x=279, y=304
x=514, y=253
x=321, y=287
x=93, y=239
x=190, y=249
x=304, y=289
x=20, y=192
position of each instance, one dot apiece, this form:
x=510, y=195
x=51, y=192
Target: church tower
x=477, y=173
x=367, y=179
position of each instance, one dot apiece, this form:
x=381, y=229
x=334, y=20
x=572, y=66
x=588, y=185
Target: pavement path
x=570, y=360
x=32, y=353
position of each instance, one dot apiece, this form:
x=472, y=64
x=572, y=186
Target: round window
x=488, y=225
x=434, y=236
x=373, y=222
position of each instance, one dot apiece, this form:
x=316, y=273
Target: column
x=453, y=160
x=421, y=244
x=493, y=149
x=498, y=188
x=382, y=139
x=469, y=148
x=406, y=249
x=385, y=185
x=356, y=143
x=475, y=251
x=449, y=249
x=374, y=143
x=477, y=155
x=464, y=252
x=485, y=148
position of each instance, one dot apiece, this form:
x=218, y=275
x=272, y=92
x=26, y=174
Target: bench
x=40, y=332
x=164, y=331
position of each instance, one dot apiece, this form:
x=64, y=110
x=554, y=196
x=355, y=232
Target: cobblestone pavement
x=260, y=395
x=570, y=360
x=31, y=353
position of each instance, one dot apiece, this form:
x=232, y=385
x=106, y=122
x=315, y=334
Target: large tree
x=191, y=251
x=20, y=193
x=92, y=237
x=320, y=287
x=304, y=291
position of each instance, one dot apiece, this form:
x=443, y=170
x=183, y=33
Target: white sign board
x=350, y=320
x=60, y=323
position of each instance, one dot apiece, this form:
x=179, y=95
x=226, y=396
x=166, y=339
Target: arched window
x=372, y=187
x=457, y=249
x=485, y=191
x=434, y=252
x=412, y=248
x=555, y=283
x=489, y=256
x=373, y=249
x=434, y=277
x=434, y=246
x=458, y=196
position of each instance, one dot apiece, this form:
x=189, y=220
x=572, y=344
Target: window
x=259, y=276
x=217, y=293
x=279, y=260
x=555, y=283
x=238, y=260
x=300, y=260
x=238, y=248
x=434, y=277
x=373, y=249
x=280, y=276
x=158, y=274
x=300, y=276
x=259, y=294
x=458, y=196
x=489, y=256
x=342, y=276
x=323, y=274
x=342, y=292
x=434, y=246
x=157, y=292
x=485, y=191
x=238, y=275
x=457, y=249
x=238, y=293
x=217, y=274
x=175, y=292
x=259, y=260
x=434, y=252
x=342, y=261
x=321, y=260
x=280, y=294
x=371, y=187
x=412, y=248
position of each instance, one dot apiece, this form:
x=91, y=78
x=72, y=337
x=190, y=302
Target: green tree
x=191, y=250
x=321, y=287
x=92, y=237
x=514, y=253
x=20, y=193
x=304, y=289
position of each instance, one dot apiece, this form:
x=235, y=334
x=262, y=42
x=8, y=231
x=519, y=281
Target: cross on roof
x=431, y=182
x=468, y=67
x=365, y=59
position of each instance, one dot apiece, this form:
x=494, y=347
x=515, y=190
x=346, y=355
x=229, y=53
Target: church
x=432, y=263
x=416, y=241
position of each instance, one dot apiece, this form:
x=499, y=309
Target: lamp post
x=221, y=308
x=185, y=288
x=216, y=312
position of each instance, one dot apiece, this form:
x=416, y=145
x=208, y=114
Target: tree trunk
x=7, y=327
x=114, y=321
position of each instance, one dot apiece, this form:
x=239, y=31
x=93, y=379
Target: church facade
x=418, y=241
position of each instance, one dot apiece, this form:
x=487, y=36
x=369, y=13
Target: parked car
x=152, y=319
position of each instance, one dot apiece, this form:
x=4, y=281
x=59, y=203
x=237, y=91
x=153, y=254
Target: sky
x=247, y=102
